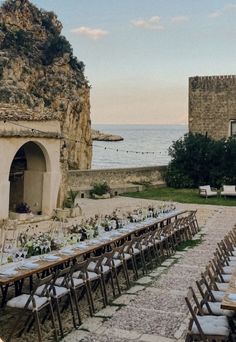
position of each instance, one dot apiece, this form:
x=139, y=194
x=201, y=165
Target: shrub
x=56, y=46
x=100, y=189
x=197, y=160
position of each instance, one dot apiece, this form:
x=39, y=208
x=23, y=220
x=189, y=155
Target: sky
x=139, y=54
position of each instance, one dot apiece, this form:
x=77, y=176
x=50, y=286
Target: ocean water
x=137, y=138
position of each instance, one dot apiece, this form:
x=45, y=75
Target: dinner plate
x=80, y=245
x=66, y=251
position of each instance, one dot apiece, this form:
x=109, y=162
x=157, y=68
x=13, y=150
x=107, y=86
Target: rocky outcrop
x=100, y=136
x=40, y=76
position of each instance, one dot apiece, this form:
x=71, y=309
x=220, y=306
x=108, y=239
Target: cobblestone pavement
x=154, y=310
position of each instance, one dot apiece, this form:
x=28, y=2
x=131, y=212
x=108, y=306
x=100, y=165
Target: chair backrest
x=207, y=188
x=203, y=289
x=212, y=276
x=66, y=274
x=209, y=283
x=82, y=269
x=45, y=282
x=193, y=306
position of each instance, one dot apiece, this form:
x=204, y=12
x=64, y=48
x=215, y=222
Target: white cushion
x=232, y=258
x=91, y=266
x=92, y=276
x=218, y=295
x=232, y=263
x=144, y=247
x=228, y=269
x=105, y=269
x=20, y=301
x=116, y=262
x=77, y=281
x=212, y=325
x=229, y=189
x=216, y=309
x=222, y=286
x=226, y=277
x=76, y=274
x=59, y=281
x=127, y=256
x=60, y=291
x=136, y=251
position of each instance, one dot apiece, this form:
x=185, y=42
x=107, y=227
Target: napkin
x=28, y=265
x=51, y=257
x=8, y=273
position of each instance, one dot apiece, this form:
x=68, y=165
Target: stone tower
x=212, y=105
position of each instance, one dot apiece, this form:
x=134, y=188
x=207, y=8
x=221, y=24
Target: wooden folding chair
x=31, y=305
x=207, y=328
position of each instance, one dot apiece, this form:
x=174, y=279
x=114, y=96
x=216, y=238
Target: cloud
x=152, y=23
x=216, y=14
x=179, y=19
x=219, y=13
x=92, y=33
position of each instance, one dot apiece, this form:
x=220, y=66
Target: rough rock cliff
x=39, y=73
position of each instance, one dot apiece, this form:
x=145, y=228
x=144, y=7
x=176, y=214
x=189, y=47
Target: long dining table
x=229, y=300
x=43, y=263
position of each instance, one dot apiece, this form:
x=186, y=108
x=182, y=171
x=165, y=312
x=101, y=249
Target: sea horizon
x=143, y=145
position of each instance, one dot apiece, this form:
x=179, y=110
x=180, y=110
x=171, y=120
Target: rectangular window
x=233, y=129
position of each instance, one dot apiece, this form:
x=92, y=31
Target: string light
x=62, y=137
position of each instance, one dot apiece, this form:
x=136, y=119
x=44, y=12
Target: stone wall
x=116, y=178
x=212, y=105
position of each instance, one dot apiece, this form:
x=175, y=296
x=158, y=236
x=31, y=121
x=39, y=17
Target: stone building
x=30, y=169
x=45, y=126
x=212, y=105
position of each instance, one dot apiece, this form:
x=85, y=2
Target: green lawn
x=181, y=196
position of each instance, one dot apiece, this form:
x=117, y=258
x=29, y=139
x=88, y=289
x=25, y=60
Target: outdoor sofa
x=207, y=191
x=228, y=190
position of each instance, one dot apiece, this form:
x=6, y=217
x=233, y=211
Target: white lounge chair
x=228, y=190
x=207, y=191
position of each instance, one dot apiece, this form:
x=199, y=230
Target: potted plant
x=70, y=209
x=100, y=190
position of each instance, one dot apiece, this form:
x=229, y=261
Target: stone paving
x=154, y=310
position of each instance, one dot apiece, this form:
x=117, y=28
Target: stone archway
x=28, y=179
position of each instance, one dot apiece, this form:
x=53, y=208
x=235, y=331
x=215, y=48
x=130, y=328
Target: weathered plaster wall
x=212, y=105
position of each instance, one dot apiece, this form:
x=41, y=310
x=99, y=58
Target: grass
x=181, y=196
x=189, y=244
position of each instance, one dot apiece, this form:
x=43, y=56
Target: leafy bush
x=100, y=189
x=55, y=47
x=19, y=40
x=198, y=160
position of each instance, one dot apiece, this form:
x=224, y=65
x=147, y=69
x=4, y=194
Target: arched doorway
x=27, y=178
